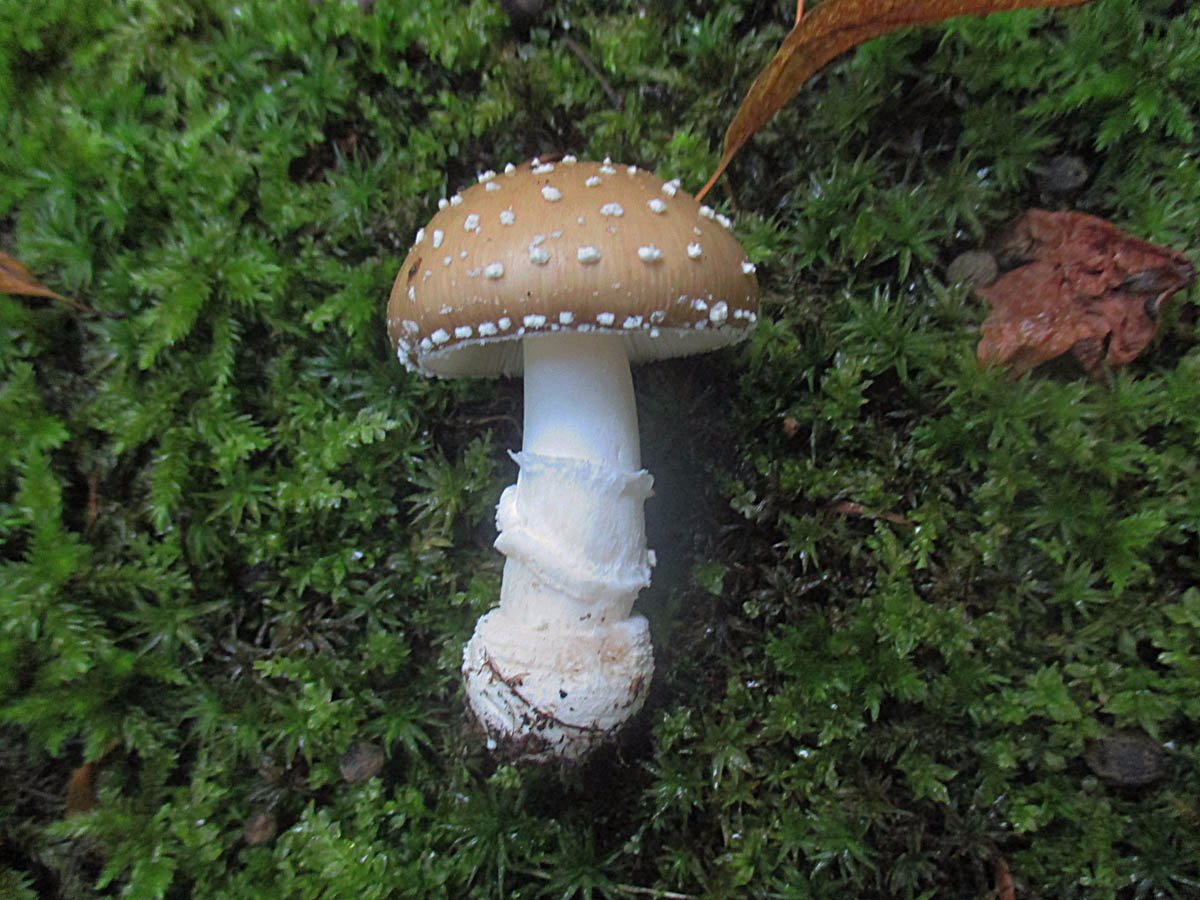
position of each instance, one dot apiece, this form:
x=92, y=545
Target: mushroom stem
x=579, y=399
x=561, y=663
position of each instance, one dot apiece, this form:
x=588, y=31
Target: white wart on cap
x=568, y=245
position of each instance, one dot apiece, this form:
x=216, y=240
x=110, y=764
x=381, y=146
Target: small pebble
x=1064, y=174
x=523, y=13
x=361, y=762
x=975, y=268
x=1127, y=758
x=260, y=829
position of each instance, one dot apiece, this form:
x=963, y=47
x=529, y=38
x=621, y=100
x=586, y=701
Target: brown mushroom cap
x=568, y=246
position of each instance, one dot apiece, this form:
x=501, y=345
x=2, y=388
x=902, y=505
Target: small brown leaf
x=81, y=786
x=1005, y=890
x=93, y=502
x=829, y=31
x=1085, y=286
x=16, y=279
x=81, y=789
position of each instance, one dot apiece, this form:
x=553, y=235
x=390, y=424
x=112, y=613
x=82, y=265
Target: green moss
x=897, y=594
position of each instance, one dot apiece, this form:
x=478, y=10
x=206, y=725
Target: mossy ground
x=238, y=537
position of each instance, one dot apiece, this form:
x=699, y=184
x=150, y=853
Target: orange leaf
x=830, y=30
x=15, y=279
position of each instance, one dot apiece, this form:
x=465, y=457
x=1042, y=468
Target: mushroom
x=567, y=272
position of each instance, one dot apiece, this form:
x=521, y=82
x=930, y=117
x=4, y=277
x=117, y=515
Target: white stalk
x=561, y=663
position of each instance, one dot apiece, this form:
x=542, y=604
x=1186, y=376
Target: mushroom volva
x=566, y=272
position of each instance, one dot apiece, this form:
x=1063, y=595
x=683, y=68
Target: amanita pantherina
x=568, y=271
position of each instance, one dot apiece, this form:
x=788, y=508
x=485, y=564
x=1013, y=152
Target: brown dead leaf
x=828, y=31
x=1085, y=286
x=16, y=279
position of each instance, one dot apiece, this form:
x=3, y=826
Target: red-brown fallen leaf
x=1086, y=286
x=829, y=31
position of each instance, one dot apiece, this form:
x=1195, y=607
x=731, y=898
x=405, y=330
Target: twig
x=851, y=508
x=477, y=421
x=653, y=892
x=613, y=97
